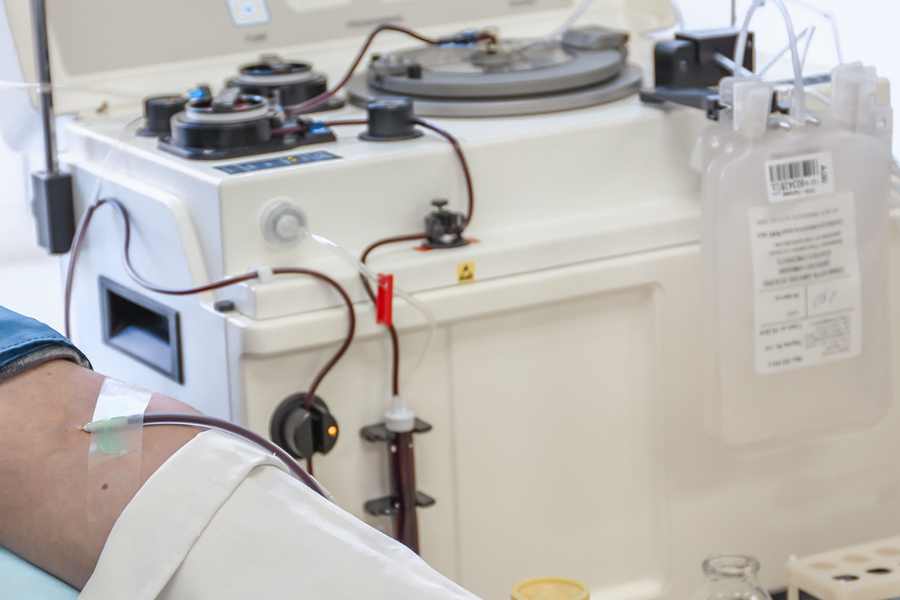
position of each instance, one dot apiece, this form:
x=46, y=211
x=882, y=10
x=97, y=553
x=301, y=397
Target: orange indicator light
x=332, y=431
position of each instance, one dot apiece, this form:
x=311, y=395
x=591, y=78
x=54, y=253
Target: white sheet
x=223, y=520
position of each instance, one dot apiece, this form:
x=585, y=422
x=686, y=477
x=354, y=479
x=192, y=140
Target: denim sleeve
x=26, y=343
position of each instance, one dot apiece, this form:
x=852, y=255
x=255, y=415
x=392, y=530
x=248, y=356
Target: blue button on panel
x=248, y=12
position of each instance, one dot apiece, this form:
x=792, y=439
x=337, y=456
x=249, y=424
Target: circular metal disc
x=512, y=68
x=628, y=82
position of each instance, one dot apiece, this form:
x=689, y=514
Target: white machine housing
x=564, y=384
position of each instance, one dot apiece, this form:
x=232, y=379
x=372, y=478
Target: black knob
x=391, y=120
x=304, y=430
x=414, y=71
x=159, y=112
x=444, y=228
x=299, y=440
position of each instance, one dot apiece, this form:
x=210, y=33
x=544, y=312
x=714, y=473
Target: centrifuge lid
x=513, y=77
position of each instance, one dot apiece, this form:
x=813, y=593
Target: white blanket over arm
x=223, y=520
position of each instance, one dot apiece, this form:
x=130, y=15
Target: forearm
x=44, y=466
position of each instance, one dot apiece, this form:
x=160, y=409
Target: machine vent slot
x=141, y=328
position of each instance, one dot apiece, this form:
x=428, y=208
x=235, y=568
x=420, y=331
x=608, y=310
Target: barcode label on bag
x=798, y=177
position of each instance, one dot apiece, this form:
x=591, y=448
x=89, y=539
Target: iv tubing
x=567, y=24
x=812, y=32
x=126, y=262
x=65, y=87
x=364, y=276
x=798, y=101
x=463, y=164
x=194, y=420
x=110, y=156
x=395, y=339
x=373, y=277
x=370, y=275
x=820, y=97
x=324, y=97
x=729, y=64
x=829, y=16
x=771, y=62
x=457, y=149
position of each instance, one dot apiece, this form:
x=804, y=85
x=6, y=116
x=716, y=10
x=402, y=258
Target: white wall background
x=30, y=282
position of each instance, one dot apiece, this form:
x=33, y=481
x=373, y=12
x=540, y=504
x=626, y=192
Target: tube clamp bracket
x=380, y=433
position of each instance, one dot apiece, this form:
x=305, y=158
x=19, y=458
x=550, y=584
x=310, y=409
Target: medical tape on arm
x=114, y=460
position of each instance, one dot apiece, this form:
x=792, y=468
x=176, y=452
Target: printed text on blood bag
x=807, y=283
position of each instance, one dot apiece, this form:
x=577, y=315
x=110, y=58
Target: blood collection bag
x=795, y=250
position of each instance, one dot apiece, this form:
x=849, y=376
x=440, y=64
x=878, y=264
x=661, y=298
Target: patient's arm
x=44, y=465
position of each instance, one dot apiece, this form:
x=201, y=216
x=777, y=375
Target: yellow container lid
x=550, y=588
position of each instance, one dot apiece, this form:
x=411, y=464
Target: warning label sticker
x=807, y=282
x=465, y=272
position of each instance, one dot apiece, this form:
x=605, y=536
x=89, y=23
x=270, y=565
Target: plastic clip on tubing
x=385, y=301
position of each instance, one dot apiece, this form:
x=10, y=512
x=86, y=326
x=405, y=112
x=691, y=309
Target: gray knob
x=284, y=224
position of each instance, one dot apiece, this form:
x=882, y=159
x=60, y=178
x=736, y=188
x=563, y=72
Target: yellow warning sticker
x=465, y=272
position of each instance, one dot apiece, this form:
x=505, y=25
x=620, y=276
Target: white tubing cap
x=399, y=419
x=263, y=273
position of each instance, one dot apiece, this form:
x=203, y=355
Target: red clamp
x=384, y=304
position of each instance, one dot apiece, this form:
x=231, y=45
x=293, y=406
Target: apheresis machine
x=473, y=228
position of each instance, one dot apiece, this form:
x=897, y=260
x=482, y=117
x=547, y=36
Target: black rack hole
x=141, y=328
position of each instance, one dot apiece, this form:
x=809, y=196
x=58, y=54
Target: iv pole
x=53, y=205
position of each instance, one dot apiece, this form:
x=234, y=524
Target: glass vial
x=731, y=577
